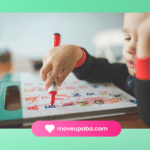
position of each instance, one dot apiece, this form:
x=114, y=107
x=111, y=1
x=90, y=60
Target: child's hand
x=143, y=43
x=58, y=63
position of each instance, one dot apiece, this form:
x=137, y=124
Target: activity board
x=75, y=100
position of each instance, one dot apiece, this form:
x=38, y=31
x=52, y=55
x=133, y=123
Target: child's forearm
x=142, y=90
x=93, y=70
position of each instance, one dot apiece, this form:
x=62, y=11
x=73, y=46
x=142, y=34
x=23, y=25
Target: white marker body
x=53, y=87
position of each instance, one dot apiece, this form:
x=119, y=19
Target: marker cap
x=56, y=39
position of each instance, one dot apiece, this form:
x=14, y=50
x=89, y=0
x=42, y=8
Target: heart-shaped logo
x=49, y=128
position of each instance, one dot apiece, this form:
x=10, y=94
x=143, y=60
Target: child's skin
x=134, y=37
x=62, y=59
x=143, y=45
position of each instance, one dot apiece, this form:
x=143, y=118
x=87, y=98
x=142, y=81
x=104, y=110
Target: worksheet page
x=74, y=96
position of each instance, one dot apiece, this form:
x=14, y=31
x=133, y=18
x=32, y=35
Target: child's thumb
x=63, y=75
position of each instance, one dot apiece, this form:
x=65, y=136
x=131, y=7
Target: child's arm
x=98, y=70
x=142, y=80
x=61, y=60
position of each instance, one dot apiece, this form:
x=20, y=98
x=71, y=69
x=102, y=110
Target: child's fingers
x=53, y=76
x=49, y=74
x=63, y=76
x=44, y=70
x=44, y=58
x=45, y=61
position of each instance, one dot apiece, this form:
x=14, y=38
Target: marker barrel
x=53, y=88
x=52, y=96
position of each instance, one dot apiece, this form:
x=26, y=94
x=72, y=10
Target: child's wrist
x=81, y=59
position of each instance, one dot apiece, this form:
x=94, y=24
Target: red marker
x=53, y=88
